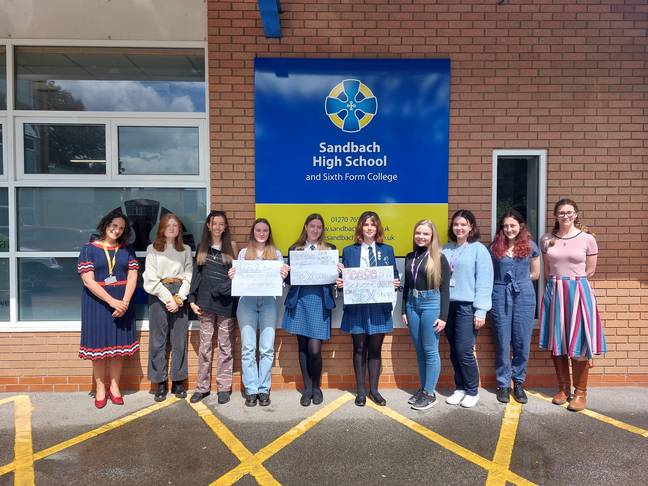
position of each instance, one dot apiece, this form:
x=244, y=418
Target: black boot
x=178, y=389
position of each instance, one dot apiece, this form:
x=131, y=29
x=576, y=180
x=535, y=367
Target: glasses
x=566, y=214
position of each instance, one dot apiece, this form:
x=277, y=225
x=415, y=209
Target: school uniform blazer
x=384, y=258
x=293, y=294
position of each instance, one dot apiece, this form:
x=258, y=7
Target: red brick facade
x=568, y=77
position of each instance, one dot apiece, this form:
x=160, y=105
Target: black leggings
x=367, y=348
x=310, y=362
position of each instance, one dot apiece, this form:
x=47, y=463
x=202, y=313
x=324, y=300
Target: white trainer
x=469, y=401
x=456, y=397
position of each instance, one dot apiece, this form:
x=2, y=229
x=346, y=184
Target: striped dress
x=570, y=323
x=102, y=335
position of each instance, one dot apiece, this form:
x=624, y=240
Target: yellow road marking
x=505, y=445
x=599, y=416
x=93, y=433
x=254, y=466
x=251, y=465
x=23, y=463
x=453, y=447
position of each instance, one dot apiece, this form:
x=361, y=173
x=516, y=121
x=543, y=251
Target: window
x=95, y=129
x=3, y=78
x=110, y=79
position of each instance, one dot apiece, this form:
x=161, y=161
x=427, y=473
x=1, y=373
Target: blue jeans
x=461, y=334
x=513, y=314
x=257, y=313
x=422, y=312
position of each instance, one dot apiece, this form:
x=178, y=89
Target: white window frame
x=14, y=176
x=542, y=197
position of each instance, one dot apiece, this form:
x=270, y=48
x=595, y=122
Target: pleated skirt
x=570, y=323
x=309, y=317
x=102, y=335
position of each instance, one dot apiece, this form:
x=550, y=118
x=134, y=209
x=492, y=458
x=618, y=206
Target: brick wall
x=571, y=78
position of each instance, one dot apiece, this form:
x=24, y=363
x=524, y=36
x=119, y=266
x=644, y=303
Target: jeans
x=257, y=313
x=513, y=314
x=422, y=312
x=461, y=334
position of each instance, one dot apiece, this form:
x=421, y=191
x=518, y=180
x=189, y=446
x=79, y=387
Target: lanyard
x=455, y=256
x=415, y=272
x=111, y=263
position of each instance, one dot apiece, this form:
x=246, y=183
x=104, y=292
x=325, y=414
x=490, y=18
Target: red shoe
x=115, y=400
x=101, y=403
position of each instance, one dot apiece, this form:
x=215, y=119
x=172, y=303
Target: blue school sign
x=340, y=136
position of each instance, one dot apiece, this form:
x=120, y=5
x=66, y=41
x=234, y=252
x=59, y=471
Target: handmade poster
x=313, y=267
x=257, y=278
x=368, y=285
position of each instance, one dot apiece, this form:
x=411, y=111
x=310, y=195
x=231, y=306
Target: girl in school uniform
x=368, y=323
x=258, y=313
x=167, y=277
x=308, y=313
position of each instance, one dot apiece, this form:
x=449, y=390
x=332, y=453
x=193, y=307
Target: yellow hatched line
x=599, y=416
x=252, y=464
x=23, y=463
x=453, y=447
x=92, y=433
x=505, y=445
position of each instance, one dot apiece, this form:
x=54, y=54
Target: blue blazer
x=384, y=256
x=293, y=294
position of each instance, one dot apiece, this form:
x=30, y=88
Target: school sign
x=341, y=136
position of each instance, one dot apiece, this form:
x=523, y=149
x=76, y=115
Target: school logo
x=351, y=105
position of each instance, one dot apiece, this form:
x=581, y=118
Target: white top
x=169, y=263
x=364, y=254
x=241, y=255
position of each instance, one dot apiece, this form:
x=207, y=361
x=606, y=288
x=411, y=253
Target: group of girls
x=447, y=288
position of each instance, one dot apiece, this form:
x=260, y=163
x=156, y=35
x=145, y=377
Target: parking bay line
x=453, y=447
x=92, y=433
x=598, y=416
x=23, y=463
x=279, y=443
x=505, y=445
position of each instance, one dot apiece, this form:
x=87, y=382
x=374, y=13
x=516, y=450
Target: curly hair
x=565, y=201
x=522, y=243
x=108, y=218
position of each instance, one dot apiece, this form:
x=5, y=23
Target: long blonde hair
x=300, y=244
x=269, y=250
x=433, y=263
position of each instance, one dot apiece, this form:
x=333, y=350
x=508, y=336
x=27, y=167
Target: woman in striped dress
x=570, y=325
x=108, y=269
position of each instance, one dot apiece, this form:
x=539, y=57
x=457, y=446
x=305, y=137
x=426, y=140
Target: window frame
x=12, y=179
x=542, y=199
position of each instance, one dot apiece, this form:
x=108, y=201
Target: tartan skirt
x=570, y=323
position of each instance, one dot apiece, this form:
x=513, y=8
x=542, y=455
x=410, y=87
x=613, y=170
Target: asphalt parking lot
x=54, y=439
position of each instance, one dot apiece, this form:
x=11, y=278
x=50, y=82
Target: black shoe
x=197, y=396
x=318, y=397
x=518, y=392
x=161, y=393
x=360, y=400
x=223, y=397
x=378, y=399
x=415, y=397
x=503, y=393
x=178, y=389
x=251, y=400
x=305, y=399
x=264, y=399
x=424, y=401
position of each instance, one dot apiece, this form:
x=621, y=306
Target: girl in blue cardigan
x=471, y=286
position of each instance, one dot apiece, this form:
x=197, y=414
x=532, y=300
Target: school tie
x=372, y=257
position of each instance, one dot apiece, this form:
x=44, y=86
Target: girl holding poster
x=368, y=323
x=258, y=313
x=308, y=314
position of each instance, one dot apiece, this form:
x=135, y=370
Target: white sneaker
x=469, y=401
x=456, y=397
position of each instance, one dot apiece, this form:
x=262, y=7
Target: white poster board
x=257, y=278
x=368, y=285
x=313, y=267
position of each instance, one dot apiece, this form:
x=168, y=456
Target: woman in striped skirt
x=570, y=325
